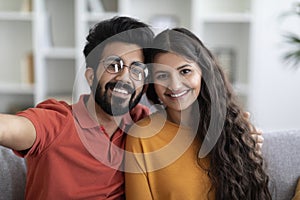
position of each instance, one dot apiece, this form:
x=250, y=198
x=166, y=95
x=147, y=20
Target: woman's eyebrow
x=178, y=68
x=160, y=71
x=183, y=66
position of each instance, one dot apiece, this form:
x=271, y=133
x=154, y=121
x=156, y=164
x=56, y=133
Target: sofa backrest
x=12, y=175
x=281, y=151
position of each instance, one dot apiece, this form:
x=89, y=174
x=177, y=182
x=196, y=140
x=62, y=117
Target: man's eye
x=137, y=70
x=114, y=67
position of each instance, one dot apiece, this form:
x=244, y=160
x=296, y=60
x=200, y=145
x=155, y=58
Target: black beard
x=116, y=109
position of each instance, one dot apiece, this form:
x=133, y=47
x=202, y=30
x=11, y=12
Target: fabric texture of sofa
x=12, y=175
x=281, y=151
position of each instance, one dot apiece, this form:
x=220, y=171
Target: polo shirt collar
x=82, y=115
x=84, y=118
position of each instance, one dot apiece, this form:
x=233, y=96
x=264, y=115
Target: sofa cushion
x=12, y=175
x=281, y=151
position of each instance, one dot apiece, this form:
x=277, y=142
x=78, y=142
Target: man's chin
x=116, y=105
x=122, y=108
x=118, y=111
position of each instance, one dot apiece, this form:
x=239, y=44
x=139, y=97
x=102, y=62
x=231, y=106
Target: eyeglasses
x=114, y=64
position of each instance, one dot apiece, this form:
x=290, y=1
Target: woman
x=199, y=147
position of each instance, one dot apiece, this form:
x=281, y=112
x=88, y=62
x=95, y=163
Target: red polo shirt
x=72, y=157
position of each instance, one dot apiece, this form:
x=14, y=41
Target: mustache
x=120, y=85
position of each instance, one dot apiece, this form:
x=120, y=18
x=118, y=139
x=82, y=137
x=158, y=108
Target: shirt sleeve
x=49, y=119
x=136, y=180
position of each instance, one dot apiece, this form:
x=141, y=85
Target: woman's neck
x=183, y=117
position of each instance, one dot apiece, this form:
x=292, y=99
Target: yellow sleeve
x=136, y=180
x=297, y=192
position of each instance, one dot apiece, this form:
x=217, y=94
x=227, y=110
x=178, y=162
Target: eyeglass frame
x=121, y=62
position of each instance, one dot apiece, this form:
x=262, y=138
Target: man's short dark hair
x=121, y=29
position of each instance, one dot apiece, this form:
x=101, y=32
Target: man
x=75, y=151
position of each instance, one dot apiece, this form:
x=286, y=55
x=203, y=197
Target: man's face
x=118, y=93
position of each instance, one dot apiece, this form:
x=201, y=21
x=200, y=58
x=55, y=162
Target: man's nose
x=123, y=75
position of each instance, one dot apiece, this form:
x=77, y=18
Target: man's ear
x=145, y=88
x=89, y=75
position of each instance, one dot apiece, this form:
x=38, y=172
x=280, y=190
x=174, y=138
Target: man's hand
x=256, y=134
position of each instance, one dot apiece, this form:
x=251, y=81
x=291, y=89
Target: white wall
x=275, y=87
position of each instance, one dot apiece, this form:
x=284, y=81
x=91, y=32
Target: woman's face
x=177, y=80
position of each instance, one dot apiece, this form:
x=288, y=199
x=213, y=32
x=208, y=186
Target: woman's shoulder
x=154, y=120
x=157, y=116
x=153, y=125
x=146, y=124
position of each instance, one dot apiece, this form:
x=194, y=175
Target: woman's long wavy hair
x=236, y=169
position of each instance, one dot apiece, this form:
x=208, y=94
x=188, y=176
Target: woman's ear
x=89, y=75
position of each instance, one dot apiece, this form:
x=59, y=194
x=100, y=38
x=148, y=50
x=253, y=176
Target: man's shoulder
x=48, y=108
x=54, y=104
x=139, y=112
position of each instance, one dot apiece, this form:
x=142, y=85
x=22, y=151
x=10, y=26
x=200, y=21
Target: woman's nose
x=175, y=83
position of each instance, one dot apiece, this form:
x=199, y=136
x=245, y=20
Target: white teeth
x=120, y=91
x=179, y=94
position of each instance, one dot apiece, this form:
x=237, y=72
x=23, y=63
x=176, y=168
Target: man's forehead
x=122, y=49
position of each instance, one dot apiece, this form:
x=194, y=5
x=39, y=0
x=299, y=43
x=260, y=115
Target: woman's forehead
x=170, y=60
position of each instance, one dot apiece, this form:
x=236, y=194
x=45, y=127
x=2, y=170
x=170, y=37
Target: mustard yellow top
x=163, y=163
x=297, y=192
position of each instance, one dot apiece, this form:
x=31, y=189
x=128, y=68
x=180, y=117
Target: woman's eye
x=161, y=76
x=185, y=71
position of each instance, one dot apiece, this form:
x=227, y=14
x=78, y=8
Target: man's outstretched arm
x=16, y=132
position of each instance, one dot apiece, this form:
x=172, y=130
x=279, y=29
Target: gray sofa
x=12, y=175
x=281, y=151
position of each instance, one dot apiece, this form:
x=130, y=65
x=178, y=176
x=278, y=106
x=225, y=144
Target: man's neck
x=109, y=122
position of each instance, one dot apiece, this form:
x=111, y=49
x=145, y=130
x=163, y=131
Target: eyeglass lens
x=114, y=64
